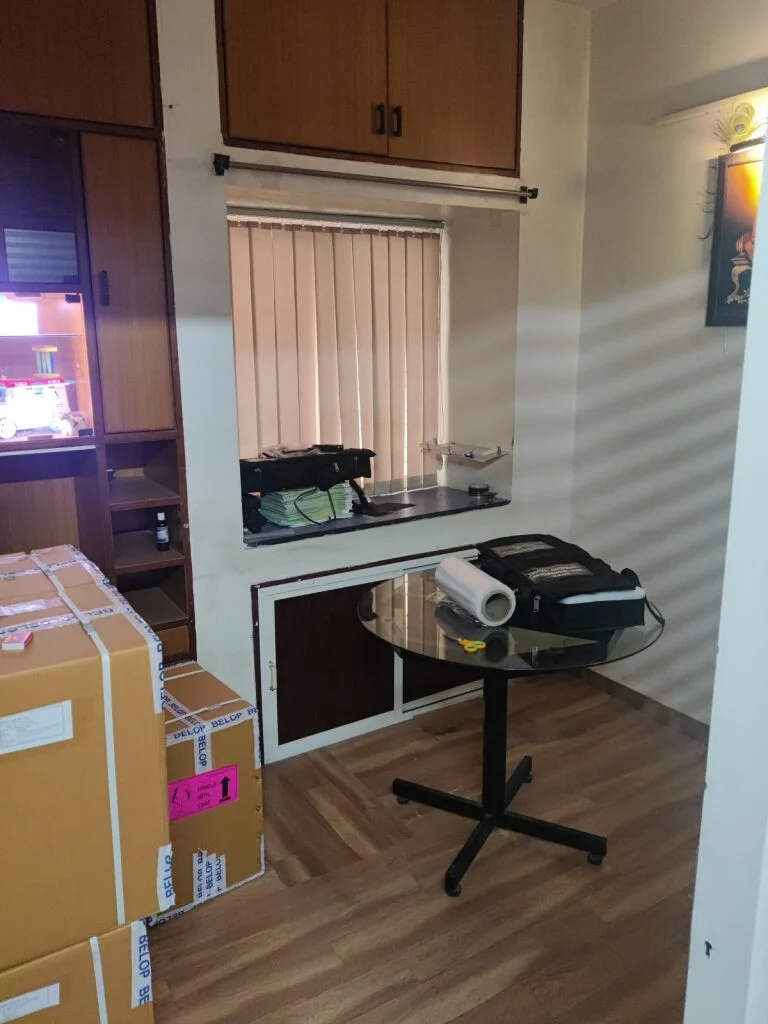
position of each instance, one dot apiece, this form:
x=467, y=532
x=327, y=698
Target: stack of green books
x=303, y=506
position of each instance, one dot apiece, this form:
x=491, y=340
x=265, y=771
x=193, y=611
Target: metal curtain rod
x=223, y=163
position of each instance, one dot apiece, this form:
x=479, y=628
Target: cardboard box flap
x=33, y=575
x=197, y=692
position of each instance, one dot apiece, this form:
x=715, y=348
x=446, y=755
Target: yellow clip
x=472, y=646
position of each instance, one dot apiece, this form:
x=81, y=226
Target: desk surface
x=413, y=614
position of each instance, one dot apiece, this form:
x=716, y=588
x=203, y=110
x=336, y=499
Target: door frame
x=268, y=670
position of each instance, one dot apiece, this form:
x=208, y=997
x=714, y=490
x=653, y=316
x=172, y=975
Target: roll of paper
x=484, y=597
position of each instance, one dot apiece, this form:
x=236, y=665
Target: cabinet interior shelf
x=37, y=337
x=138, y=491
x=155, y=607
x=135, y=551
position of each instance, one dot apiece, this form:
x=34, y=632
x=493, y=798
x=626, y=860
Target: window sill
x=427, y=504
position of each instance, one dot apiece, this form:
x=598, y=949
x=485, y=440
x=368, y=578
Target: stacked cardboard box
x=214, y=787
x=84, y=843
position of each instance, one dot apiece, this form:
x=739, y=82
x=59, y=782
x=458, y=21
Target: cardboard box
x=104, y=978
x=214, y=786
x=84, y=844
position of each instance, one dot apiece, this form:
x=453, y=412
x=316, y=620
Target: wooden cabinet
x=307, y=72
x=423, y=82
x=323, y=677
x=89, y=60
x=125, y=237
x=453, y=82
x=331, y=670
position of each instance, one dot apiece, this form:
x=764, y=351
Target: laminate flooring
x=350, y=924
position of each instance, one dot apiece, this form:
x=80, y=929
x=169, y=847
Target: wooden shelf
x=37, y=337
x=155, y=607
x=129, y=492
x=138, y=436
x=45, y=443
x=135, y=551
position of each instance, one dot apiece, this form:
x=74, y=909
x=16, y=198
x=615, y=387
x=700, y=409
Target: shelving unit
x=155, y=607
x=137, y=492
x=101, y=490
x=135, y=551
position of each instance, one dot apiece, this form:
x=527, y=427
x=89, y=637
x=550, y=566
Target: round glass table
x=413, y=615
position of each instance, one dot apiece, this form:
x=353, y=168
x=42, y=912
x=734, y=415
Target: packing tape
x=98, y=973
x=178, y=911
x=166, y=897
x=117, y=605
x=141, y=966
x=152, y=640
x=29, y=606
x=109, y=733
x=209, y=873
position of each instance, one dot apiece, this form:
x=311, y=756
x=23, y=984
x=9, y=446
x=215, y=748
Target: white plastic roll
x=484, y=597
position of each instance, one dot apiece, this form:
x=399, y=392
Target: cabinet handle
x=380, y=118
x=272, y=680
x=103, y=278
x=397, y=121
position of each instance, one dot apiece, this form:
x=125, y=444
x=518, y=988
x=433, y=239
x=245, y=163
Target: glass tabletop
x=412, y=613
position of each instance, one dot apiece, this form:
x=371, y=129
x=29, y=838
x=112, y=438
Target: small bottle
x=162, y=534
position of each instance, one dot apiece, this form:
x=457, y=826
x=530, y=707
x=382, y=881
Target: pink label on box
x=203, y=792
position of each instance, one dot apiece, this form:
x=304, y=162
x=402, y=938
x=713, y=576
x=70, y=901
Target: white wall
x=554, y=157
x=658, y=392
x=556, y=36
x=730, y=983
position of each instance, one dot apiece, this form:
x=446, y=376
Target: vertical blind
x=337, y=340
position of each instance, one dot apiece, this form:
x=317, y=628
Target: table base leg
x=593, y=845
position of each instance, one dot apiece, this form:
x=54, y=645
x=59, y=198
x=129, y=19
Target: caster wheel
x=595, y=858
x=453, y=890
x=529, y=777
x=403, y=800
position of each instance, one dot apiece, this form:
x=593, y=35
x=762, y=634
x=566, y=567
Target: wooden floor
x=350, y=923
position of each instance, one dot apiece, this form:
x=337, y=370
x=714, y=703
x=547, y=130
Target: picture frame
x=739, y=177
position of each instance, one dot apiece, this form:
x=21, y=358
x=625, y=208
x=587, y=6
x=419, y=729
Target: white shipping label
x=30, y=1002
x=141, y=966
x=36, y=728
x=166, y=896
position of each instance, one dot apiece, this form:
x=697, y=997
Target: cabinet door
x=453, y=73
x=330, y=670
x=89, y=60
x=125, y=238
x=306, y=72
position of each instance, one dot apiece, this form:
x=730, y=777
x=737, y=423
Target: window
x=337, y=339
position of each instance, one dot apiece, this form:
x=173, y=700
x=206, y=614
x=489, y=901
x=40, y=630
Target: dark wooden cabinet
x=329, y=670
x=453, y=82
x=307, y=72
x=125, y=238
x=88, y=60
x=422, y=82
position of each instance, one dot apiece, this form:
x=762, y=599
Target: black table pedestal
x=498, y=792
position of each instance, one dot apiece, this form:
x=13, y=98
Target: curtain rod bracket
x=222, y=163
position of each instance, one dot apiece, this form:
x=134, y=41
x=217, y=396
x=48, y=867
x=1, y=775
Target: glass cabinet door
x=44, y=379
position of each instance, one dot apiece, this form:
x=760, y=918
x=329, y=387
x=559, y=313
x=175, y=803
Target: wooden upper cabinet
x=315, y=74
x=89, y=60
x=306, y=73
x=125, y=237
x=454, y=82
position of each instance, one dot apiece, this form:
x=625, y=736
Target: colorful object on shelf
x=44, y=357
x=34, y=403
